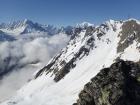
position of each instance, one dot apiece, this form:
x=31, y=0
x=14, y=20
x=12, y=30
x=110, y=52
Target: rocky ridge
x=117, y=85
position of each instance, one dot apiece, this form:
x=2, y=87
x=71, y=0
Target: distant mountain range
x=24, y=27
x=27, y=26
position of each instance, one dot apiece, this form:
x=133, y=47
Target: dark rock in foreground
x=117, y=85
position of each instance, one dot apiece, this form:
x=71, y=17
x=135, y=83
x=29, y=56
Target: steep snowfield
x=45, y=91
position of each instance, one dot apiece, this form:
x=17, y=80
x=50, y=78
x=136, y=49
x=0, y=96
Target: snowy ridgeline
x=90, y=49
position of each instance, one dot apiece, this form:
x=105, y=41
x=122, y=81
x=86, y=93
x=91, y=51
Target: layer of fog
x=23, y=57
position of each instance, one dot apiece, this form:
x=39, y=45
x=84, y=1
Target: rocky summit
x=117, y=85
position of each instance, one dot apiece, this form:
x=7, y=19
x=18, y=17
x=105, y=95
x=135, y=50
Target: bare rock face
x=130, y=32
x=117, y=85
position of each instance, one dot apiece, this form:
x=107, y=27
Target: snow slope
x=89, y=50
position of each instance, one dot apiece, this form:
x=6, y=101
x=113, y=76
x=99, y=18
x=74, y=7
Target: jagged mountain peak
x=84, y=24
x=16, y=24
x=27, y=26
x=20, y=26
x=26, y=20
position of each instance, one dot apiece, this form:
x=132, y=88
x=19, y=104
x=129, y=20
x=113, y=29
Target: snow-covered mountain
x=27, y=26
x=90, y=49
x=20, y=27
x=84, y=25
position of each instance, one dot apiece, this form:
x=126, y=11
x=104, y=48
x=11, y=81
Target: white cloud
x=25, y=57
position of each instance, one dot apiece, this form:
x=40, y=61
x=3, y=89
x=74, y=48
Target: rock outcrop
x=130, y=33
x=117, y=85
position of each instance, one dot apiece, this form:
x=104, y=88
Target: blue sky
x=68, y=12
